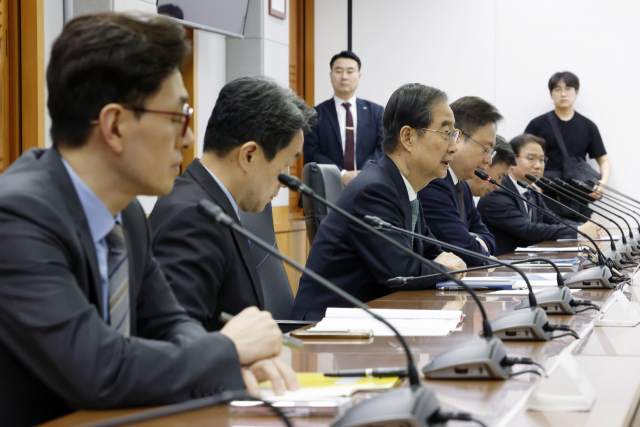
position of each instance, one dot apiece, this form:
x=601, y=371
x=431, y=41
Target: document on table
x=412, y=323
x=595, y=239
x=549, y=249
x=521, y=292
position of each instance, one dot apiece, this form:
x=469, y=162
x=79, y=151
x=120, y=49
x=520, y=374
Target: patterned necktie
x=414, y=216
x=529, y=197
x=118, y=268
x=349, y=145
x=460, y=192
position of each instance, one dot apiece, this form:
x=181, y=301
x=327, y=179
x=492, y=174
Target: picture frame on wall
x=278, y=8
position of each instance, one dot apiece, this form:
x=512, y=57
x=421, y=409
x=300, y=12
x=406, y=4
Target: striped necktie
x=414, y=216
x=530, y=209
x=118, y=268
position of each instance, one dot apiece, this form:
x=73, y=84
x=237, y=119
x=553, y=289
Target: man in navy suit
x=500, y=166
x=349, y=129
x=448, y=206
x=513, y=222
x=420, y=140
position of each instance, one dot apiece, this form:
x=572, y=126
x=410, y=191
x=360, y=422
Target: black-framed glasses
x=533, y=159
x=489, y=153
x=187, y=113
x=449, y=135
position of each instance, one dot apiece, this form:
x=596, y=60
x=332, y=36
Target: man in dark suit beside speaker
x=349, y=130
x=87, y=319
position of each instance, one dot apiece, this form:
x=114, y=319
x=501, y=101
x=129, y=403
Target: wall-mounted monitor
x=226, y=17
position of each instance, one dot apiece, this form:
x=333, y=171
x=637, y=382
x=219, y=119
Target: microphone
x=562, y=187
x=413, y=405
x=530, y=324
x=599, y=277
x=553, y=300
x=629, y=212
x=593, y=183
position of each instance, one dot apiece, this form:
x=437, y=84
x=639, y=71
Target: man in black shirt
x=580, y=135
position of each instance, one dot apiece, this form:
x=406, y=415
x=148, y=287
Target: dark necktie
x=415, y=204
x=349, y=145
x=530, y=208
x=118, y=268
x=460, y=192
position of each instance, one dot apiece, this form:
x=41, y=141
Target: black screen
x=220, y=16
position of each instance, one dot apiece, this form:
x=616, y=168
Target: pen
x=460, y=288
x=377, y=372
x=290, y=342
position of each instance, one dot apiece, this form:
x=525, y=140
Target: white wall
x=502, y=50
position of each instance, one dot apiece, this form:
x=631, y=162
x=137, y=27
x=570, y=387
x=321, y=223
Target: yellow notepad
x=317, y=385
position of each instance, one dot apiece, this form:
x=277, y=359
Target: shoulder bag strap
x=556, y=130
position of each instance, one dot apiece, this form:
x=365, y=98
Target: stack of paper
x=411, y=323
x=317, y=385
x=549, y=249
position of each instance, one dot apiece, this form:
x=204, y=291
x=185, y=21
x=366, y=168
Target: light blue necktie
x=118, y=267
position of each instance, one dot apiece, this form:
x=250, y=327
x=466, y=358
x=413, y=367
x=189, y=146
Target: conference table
x=605, y=360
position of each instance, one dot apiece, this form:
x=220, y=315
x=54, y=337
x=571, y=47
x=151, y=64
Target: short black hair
x=345, y=54
x=521, y=140
x=504, y=152
x=172, y=10
x=256, y=109
x=410, y=105
x=472, y=112
x=108, y=57
x=570, y=79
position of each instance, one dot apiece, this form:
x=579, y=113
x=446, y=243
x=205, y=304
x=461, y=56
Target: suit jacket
x=209, y=268
x=441, y=209
x=356, y=260
x=508, y=220
x=56, y=352
x=323, y=143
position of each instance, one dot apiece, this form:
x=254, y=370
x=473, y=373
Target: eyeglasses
x=533, y=159
x=450, y=134
x=489, y=153
x=187, y=113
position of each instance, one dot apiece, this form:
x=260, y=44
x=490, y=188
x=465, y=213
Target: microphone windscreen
x=481, y=174
x=290, y=181
x=523, y=184
x=591, y=182
x=531, y=177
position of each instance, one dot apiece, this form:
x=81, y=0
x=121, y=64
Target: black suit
x=209, y=268
x=356, y=260
x=509, y=222
x=323, y=144
x=56, y=352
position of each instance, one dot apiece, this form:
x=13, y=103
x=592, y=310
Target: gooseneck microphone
x=531, y=324
x=613, y=254
x=562, y=187
x=597, y=277
x=593, y=183
x=415, y=405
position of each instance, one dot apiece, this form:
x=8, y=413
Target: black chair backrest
x=278, y=297
x=325, y=180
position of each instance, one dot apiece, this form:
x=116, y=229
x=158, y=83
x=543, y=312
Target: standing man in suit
x=448, y=206
x=420, y=140
x=349, y=129
x=254, y=133
x=503, y=160
x=515, y=223
x=87, y=319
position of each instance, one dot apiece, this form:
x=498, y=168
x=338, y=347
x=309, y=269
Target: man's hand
x=591, y=230
x=255, y=335
x=274, y=370
x=348, y=176
x=452, y=262
x=597, y=188
x=484, y=245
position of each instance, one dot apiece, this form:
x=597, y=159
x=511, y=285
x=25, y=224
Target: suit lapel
x=363, y=114
x=396, y=177
x=199, y=173
x=454, y=193
x=332, y=116
x=509, y=184
x=54, y=165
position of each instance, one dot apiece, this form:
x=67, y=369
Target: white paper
x=406, y=327
x=549, y=249
x=521, y=292
x=392, y=313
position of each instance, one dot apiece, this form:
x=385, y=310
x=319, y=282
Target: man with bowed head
x=420, y=140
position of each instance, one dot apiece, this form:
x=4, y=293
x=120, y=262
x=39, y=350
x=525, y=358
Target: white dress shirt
x=342, y=122
x=453, y=176
x=410, y=190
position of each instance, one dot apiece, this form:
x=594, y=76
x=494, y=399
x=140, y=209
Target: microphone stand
x=612, y=253
x=560, y=185
x=531, y=324
x=600, y=277
x=613, y=190
x=553, y=300
x=415, y=405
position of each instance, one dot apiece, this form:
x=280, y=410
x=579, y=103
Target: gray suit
x=56, y=353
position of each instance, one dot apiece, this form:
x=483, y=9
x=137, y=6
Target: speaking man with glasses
x=513, y=222
x=420, y=140
x=449, y=209
x=87, y=319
